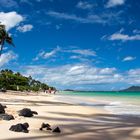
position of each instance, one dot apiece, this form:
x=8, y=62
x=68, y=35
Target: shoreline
x=75, y=121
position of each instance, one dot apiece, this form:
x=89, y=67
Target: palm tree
x=4, y=37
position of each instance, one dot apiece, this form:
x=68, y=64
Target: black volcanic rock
x=57, y=130
x=26, y=112
x=2, y=109
x=20, y=127
x=45, y=125
x=7, y=117
x=48, y=128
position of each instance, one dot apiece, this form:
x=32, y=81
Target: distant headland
x=129, y=89
x=132, y=89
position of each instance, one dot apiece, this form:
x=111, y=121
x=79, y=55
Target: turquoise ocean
x=124, y=103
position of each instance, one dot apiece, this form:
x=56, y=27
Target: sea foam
x=123, y=108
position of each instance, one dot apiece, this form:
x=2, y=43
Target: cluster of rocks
x=24, y=128
x=25, y=112
x=3, y=115
x=48, y=127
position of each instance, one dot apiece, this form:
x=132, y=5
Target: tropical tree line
x=15, y=81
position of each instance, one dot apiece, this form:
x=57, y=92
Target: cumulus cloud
x=135, y=72
x=77, y=75
x=133, y=76
x=25, y=28
x=84, y=5
x=74, y=74
x=10, y=19
x=113, y=3
x=129, y=58
x=7, y=57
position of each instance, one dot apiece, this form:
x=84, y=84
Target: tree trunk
x=2, y=45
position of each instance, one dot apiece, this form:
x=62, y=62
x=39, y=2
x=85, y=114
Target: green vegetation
x=4, y=38
x=15, y=81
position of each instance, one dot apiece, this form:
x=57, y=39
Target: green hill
x=15, y=81
x=133, y=88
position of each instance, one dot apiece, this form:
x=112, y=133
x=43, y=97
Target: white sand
x=76, y=122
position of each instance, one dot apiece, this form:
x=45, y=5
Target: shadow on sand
x=92, y=127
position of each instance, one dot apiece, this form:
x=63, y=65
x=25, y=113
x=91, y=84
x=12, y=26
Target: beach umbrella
x=4, y=38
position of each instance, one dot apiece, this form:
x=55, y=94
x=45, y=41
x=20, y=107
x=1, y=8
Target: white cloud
x=10, y=19
x=122, y=37
x=86, y=52
x=7, y=57
x=77, y=75
x=104, y=18
x=134, y=72
x=133, y=76
x=129, y=58
x=25, y=28
x=83, y=59
x=84, y=5
x=74, y=74
x=136, y=31
x=46, y=55
x=113, y=3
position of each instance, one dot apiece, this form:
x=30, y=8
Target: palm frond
x=4, y=37
x=9, y=40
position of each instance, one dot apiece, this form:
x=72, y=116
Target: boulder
x=45, y=125
x=7, y=117
x=48, y=128
x=26, y=112
x=2, y=109
x=57, y=130
x=20, y=127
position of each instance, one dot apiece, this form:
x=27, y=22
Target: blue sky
x=76, y=44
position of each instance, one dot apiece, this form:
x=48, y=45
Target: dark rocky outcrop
x=45, y=125
x=20, y=127
x=26, y=112
x=57, y=130
x=7, y=117
x=48, y=128
x=2, y=109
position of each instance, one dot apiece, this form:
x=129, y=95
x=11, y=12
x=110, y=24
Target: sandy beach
x=75, y=121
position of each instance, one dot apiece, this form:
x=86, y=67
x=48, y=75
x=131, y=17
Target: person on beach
x=54, y=91
x=49, y=91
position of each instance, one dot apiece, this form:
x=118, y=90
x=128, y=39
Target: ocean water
x=124, y=103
